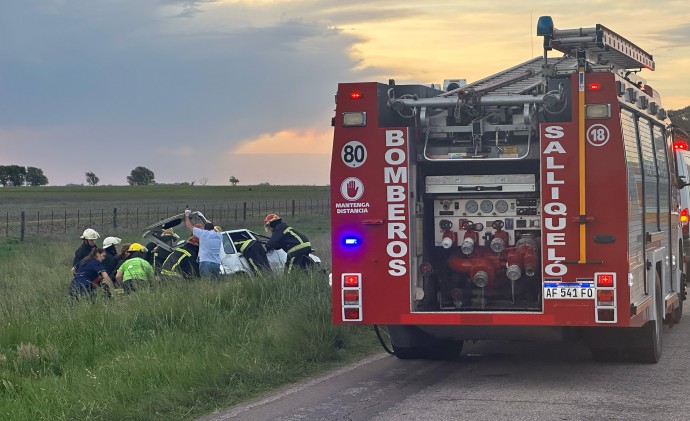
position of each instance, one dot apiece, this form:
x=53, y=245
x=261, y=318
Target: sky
x=204, y=90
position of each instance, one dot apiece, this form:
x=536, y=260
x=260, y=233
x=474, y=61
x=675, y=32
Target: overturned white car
x=232, y=260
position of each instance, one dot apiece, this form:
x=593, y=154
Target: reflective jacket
x=287, y=238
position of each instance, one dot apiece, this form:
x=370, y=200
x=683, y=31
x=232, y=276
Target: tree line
x=16, y=175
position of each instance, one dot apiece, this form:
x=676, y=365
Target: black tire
x=412, y=353
x=649, y=336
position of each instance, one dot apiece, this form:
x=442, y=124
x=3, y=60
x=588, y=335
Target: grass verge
x=175, y=351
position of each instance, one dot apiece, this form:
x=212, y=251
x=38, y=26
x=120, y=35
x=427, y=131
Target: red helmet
x=270, y=218
x=193, y=240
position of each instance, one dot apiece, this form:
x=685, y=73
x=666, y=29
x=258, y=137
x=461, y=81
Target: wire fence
x=25, y=224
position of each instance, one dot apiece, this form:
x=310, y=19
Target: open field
x=58, y=212
x=176, y=351
x=85, y=197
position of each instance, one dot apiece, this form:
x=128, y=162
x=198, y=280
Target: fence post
x=52, y=221
x=7, y=225
x=235, y=211
x=66, y=221
x=90, y=219
x=293, y=207
x=114, y=218
x=22, y=226
x=244, y=211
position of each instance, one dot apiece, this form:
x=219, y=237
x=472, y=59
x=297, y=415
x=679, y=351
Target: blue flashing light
x=351, y=241
x=544, y=26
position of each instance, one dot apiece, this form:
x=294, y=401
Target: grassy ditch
x=175, y=351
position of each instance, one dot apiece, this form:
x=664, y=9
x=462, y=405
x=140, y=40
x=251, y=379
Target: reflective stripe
x=299, y=247
x=172, y=270
x=302, y=244
x=244, y=245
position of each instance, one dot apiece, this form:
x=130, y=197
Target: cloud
x=190, y=88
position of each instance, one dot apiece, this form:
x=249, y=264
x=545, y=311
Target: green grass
x=109, y=196
x=176, y=351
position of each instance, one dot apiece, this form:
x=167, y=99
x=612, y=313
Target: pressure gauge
x=445, y=224
x=501, y=206
x=486, y=206
x=471, y=206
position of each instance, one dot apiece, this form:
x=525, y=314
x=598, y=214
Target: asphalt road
x=491, y=381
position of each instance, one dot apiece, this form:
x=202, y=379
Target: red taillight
x=606, y=295
x=595, y=86
x=351, y=281
x=355, y=95
x=684, y=216
x=680, y=145
x=351, y=314
x=606, y=315
x=351, y=297
x=604, y=280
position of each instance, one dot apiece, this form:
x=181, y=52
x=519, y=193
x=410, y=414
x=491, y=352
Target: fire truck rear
x=538, y=202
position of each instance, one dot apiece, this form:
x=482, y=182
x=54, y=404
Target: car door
x=231, y=261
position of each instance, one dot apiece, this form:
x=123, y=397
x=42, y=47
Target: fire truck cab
x=538, y=202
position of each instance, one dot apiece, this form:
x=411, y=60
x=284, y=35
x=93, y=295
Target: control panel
x=483, y=215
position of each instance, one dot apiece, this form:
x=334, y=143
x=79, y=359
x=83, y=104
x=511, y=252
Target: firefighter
x=135, y=269
x=255, y=254
x=110, y=247
x=170, y=238
x=183, y=260
x=89, y=238
x=295, y=244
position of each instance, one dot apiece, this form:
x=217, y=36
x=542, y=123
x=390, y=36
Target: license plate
x=586, y=293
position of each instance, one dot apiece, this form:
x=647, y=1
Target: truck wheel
x=409, y=353
x=649, y=335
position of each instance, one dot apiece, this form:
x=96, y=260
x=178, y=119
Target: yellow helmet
x=217, y=228
x=137, y=247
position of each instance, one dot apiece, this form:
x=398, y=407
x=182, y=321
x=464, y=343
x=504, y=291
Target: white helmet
x=109, y=241
x=90, y=234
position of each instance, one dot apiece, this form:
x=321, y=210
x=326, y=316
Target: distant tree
x=141, y=176
x=203, y=181
x=91, y=178
x=16, y=175
x=4, y=175
x=681, y=118
x=35, y=177
x=233, y=180
x=265, y=183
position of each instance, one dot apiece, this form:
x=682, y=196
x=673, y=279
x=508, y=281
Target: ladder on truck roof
x=520, y=79
x=602, y=46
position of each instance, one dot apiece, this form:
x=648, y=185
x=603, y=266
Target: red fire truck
x=538, y=202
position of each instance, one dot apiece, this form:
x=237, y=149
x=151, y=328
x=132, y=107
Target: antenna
x=531, y=41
